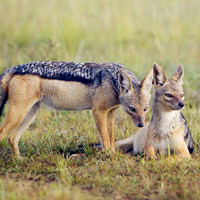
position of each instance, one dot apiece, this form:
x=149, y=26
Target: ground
x=134, y=33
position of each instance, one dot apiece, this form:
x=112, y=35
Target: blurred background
x=135, y=33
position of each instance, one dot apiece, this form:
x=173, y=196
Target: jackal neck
x=159, y=111
x=163, y=121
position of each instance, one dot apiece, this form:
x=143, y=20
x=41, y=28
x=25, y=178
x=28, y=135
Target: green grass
x=134, y=33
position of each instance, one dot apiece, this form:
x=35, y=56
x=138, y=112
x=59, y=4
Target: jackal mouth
x=139, y=124
x=136, y=120
x=177, y=107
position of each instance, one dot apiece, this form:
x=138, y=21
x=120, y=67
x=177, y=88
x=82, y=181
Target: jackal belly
x=66, y=95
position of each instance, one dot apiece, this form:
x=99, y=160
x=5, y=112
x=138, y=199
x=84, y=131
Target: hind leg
x=23, y=92
x=180, y=147
x=13, y=119
x=15, y=136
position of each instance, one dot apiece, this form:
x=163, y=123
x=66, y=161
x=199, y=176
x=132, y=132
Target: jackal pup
x=72, y=86
x=167, y=131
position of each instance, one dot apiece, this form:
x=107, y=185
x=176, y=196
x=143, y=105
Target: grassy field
x=133, y=33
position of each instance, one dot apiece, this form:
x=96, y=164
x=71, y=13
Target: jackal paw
x=19, y=157
x=151, y=157
x=181, y=157
x=113, y=150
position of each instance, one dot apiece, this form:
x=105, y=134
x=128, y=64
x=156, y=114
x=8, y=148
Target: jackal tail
x=4, y=80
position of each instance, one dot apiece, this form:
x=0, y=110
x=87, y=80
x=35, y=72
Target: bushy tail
x=4, y=80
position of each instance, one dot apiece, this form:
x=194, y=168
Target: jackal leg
x=149, y=151
x=100, y=117
x=16, y=134
x=180, y=147
x=111, y=131
x=14, y=117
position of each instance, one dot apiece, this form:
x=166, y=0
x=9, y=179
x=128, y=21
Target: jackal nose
x=181, y=104
x=141, y=124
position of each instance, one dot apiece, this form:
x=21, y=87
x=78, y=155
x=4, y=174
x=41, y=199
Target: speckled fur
x=87, y=73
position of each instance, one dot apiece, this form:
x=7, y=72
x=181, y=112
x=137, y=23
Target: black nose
x=181, y=104
x=141, y=124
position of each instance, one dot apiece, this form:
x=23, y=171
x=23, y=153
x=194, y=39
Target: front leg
x=100, y=117
x=149, y=151
x=111, y=131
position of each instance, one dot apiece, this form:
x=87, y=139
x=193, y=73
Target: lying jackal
x=167, y=130
x=72, y=86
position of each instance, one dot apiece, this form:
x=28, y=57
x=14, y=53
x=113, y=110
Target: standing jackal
x=167, y=131
x=72, y=86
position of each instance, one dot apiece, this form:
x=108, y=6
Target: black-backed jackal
x=72, y=86
x=167, y=131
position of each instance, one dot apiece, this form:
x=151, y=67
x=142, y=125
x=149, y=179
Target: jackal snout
x=181, y=104
x=170, y=92
x=135, y=98
x=141, y=122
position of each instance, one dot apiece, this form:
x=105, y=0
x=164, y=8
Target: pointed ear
x=159, y=76
x=124, y=82
x=178, y=75
x=146, y=83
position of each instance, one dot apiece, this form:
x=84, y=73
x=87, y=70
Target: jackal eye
x=168, y=95
x=132, y=109
x=146, y=108
x=182, y=95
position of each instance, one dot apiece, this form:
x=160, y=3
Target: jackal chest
x=166, y=137
x=66, y=95
x=165, y=124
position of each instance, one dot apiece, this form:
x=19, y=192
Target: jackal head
x=135, y=98
x=169, y=94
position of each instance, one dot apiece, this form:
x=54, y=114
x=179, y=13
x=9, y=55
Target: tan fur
x=166, y=131
x=27, y=92
x=140, y=101
x=62, y=95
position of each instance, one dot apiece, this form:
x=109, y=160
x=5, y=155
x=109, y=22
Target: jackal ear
x=178, y=75
x=146, y=83
x=124, y=81
x=159, y=76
